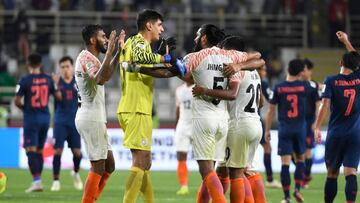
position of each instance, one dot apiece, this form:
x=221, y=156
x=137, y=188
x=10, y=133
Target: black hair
x=145, y=16
x=309, y=64
x=34, y=59
x=351, y=60
x=295, y=67
x=233, y=42
x=66, y=58
x=213, y=34
x=90, y=31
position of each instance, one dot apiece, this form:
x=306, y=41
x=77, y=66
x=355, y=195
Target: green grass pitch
x=165, y=185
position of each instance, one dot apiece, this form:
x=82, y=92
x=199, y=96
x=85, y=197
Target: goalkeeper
x=135, y=106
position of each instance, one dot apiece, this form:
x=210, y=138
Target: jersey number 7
x=349, y=93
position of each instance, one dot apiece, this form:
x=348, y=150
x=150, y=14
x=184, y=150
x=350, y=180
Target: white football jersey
x=247, y=101
x=206, y=67
x=91, y=95
x=184, y=99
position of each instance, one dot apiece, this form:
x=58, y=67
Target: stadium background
x=280, y=29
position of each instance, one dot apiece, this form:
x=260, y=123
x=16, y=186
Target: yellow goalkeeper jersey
x=137, y=88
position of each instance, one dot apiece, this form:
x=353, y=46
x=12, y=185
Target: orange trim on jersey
x=196, y=58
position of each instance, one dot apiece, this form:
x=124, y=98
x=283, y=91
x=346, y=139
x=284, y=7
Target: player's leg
x=31, y=132
x=96, y=146
x=254, y=178
x=351, y=162
x=109, y=168
x=333, y=157
x=237, y=188
x=182, y=173
x=285, y=175
x=74, y=143
x=308, y=155
x=209, y=144
x=138, y=138
x=299, y=144
x=44, y=127
x=223, y=173
x=182, y=143
x=59, y=134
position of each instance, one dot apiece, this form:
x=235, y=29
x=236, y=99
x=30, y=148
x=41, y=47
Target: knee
x=110, y=168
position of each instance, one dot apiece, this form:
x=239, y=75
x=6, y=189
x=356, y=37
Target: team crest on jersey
x=141, y=46
x=144, y=142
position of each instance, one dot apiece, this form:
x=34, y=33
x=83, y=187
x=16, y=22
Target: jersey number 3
x=40, y=96
x=293, y=99
x=349, y=93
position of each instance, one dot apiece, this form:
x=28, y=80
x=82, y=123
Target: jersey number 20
x=40, y=96
x=255, y=94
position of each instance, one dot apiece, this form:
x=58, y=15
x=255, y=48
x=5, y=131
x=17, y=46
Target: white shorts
x=183, y=136
x=96, y=139
x=209, y=138
x=242, y=141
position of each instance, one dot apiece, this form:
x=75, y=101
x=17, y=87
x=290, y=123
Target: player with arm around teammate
x=245, y=128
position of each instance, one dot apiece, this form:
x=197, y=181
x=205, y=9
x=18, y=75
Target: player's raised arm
x=343, y=38
x=106, y=70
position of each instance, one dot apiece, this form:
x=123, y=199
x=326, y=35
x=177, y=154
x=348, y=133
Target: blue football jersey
x=266, y=90
x=311, y=101
x=36, y=90
x=291, y=100
x=65, y=110
x=343, y=92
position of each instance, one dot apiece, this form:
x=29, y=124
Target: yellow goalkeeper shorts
x=137, y=130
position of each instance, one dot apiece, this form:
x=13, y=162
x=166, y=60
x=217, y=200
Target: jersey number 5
x=349, y=93
x=293, y=99
x=216, y=86
x=40, y=96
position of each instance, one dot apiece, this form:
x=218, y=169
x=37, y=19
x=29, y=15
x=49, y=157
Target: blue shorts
x=343, y=150
x=68, y=132
x=310, y=140
x=35, y=134
x=291, y=141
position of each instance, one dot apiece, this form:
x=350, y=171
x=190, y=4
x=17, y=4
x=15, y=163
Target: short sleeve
x=326, y=91
x=89, y=64
x=274, y=97
x=20, y=88
x=238, y=56
x=189, y=61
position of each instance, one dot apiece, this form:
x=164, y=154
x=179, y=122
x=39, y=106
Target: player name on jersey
x=215, y=67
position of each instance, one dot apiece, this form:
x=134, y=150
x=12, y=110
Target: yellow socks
x=147, y=188
x=133, y=185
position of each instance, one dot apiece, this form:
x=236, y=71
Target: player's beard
x=197, y=46
x=100, y=47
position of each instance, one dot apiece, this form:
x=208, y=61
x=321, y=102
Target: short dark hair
x=233, y=42
x=309, y=64
x=34, y=59
x=351, y=60
x=213, y=34
x=295, y=67
x=89, y=31
x=145, y=16
x=66, y=58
